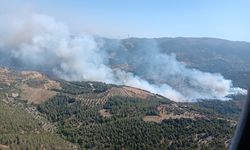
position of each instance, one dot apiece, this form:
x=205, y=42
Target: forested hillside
x=94, y=115
x=20, y=130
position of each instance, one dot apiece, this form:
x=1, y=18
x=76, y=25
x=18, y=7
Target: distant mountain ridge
x=157, y=65
x=230, y=58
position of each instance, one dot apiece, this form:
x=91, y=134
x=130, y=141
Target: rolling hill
x=229, y=58
x=57, y=114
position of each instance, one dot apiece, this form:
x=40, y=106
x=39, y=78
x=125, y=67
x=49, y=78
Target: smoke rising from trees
x=39, y=42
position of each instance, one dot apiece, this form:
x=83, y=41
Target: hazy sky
x=228, y=19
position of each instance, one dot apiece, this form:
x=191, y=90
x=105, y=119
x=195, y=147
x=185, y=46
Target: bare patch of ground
x=165, y=114
x=50, y=84
x=153, y=118
x=161, y=117
x=19, y=80
x=105, y=113
x=14, y=95
x=91, y=99
x=138, y=92
x=36, y=95
x=33, y=75
x=130, y=92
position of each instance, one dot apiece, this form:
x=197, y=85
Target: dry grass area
x=165, y=115
x=101, y=98
x=115, y=91
x=18, y=80
x=127, y=91
x=36, y=95
x=36, y=87
x=33, y=75
x=138, y=92
x=157, y=119
x=105, y=113
x=50, y=84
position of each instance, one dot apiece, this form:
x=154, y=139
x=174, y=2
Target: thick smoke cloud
x=38, y=42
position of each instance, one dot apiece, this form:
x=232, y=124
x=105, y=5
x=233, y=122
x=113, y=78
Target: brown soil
x=93, y=99
x=36, y=95
x=165, y=115
x=130, y=92
x=105, y=113
x=33, y=75
x=51, y=84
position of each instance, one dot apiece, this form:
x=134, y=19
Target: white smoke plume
x=39, y=42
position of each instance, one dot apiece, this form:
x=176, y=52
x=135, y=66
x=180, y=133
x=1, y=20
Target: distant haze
x=226, y=19
x=38, y=42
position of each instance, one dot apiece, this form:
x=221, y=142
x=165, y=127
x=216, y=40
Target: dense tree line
x=126, y=129
x=76, y=88
x=229, y=109
x=19, y=130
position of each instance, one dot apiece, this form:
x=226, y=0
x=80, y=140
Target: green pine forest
x=67, y=122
